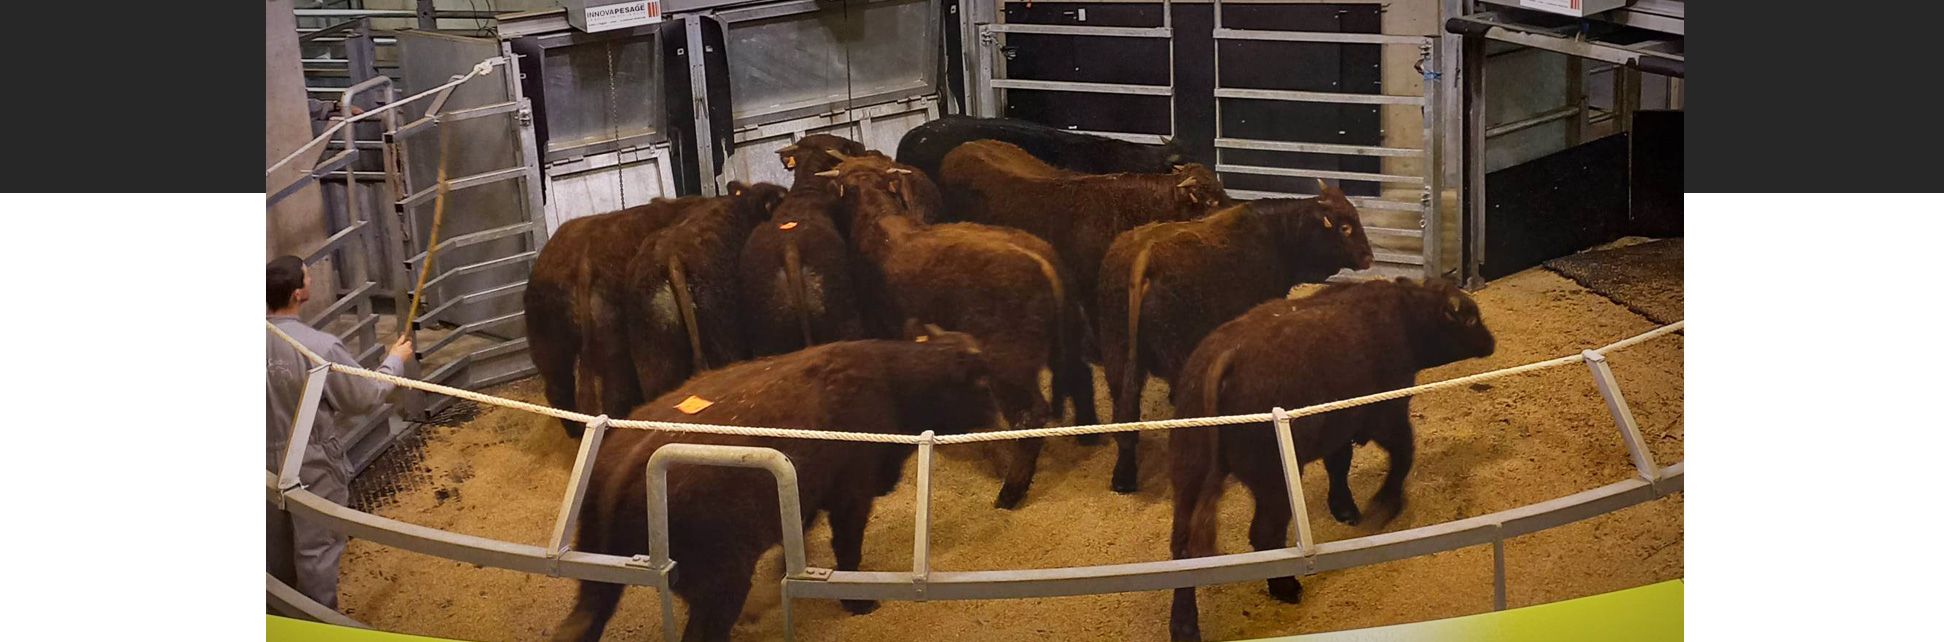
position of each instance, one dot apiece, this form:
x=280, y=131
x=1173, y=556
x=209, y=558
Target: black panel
x=1555, y=205
x=1258, y=65
x=1657, y=153
x=680, y=104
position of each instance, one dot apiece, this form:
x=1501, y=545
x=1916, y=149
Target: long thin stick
x=438, y=219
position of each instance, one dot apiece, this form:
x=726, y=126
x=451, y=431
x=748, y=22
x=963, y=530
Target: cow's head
x=1342, y=233
x=1197, y=189
x=960, y=380
x=817, y=152
x=1451, y=323
x=1172, y=153
x=755, y=201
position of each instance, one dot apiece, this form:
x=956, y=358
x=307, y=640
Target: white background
x=132, y=364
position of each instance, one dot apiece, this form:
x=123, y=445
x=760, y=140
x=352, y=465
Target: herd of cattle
x=928, y=292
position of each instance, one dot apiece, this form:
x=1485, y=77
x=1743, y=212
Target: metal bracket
x=814, y=573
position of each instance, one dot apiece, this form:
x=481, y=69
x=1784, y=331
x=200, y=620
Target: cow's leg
x=553, y=349
x=1395, y=437
x=594, y=605
x=1270, y=530
x=1196, y=481
x=713, y=607
x=1342, y=505
x=1019, y=396
x=848, y=515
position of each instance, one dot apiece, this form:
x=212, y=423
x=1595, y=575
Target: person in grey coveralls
x=303, y=554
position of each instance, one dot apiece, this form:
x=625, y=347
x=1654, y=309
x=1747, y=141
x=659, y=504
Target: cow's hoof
x=1089, y=440
x=1347, y=513
x=1009, y=498
x=1286, y=589
x=860, y=607
x=1127, y=483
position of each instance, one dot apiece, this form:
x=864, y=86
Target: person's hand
x=356, y=110
x=402, y=348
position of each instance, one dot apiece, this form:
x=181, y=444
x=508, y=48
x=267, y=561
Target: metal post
x=733, y=457
x=570, y=505
x=1432, y=164
x=1498, y=573
x=1643, y=459
x=426, y=19
x=1293, y=482
x=529, y=150
x=988, y=96
x=921, y=538
x=699, y=92
x=667, y=597
x=300, y=429
x=1474, y=160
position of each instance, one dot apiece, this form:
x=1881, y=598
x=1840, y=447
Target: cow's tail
x=1131, y=374
x=1208, y=492
x=799, y=292
x=685, y=304
x=1058, y=290
x=581, y=305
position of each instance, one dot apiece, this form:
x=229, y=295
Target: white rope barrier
x=998, y=435
x=484, y=67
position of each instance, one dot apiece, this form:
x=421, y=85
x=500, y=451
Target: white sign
x=1553, y=5
x=626, y=14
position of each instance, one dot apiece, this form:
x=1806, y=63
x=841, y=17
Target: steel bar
x=921, y=534
x=332, y=242
x=1317, y=148
x=1643, y=458
x=385, y=13
x=699, y=93
x=1145, y=139
x=1242, y=567
x=471, y=328
x=1319, y=173
x=300, y=428
x=1393, y=257
x=1362, y=202
x=479, y=112
x=481, y=266
x=1431, y=121
x=1317, y=96
x=768, y=459
x=1083, y=87
x=475, y=238
x=1532, y=121
x=338, y=307
x=583, y=472
x=490, y=293
x=1292, y=469
x=290, y=602
x=1222, y=33
x=457, y=184
x=1084, y=30
x=1498, y=574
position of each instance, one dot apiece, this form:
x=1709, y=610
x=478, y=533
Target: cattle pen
x=518, y=182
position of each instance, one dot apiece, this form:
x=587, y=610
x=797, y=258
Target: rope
x=438, y=221
x=1000, y=435
x=484, y=67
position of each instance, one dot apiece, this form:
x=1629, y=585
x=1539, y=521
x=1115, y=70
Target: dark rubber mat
x=401, y=468
x=1645, y=277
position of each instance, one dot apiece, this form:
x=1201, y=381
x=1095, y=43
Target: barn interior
x=1528, y=149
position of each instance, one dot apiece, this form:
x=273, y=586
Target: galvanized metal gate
x=1399, y=217
x=471, y=331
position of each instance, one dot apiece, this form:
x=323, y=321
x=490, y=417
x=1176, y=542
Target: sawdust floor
x=1513, y=442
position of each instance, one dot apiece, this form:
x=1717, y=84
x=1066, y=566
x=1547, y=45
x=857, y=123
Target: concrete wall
x=296, y=225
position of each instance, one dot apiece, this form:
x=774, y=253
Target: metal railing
x=1428, y=152
x=1305, y=557
x=990, y=77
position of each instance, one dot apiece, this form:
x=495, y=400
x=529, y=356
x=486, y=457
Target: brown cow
x=573, y=314
x=998, y=183
x=814, y=153
x=1346, y=341
x=1001, y=285
x=723, y=519
x=1194, y=275
x=682, y=314
x=796, y=276
x=916, y=193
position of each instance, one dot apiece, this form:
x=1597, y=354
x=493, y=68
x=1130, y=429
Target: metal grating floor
x=1644, y=277
x=401, y=468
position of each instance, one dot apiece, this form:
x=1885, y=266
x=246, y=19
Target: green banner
x=1649, y=613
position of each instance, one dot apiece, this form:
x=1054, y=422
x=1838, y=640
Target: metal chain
x=614, y=123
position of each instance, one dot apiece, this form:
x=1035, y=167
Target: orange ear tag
x=787, y=226
x=693, y=405
x=922, y=339
x=789, y=162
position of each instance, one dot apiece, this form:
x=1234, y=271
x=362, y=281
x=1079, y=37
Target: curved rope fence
x=557, y=558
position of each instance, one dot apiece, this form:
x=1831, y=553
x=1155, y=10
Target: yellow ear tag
x=693, y=405
x=922, y=339
x=789, y=162
x=787, y=226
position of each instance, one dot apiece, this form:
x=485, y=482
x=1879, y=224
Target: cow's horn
x=828, y=173
x=788, y=149
x=1186, y=182
x=900, y=170
x=1321, y=186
